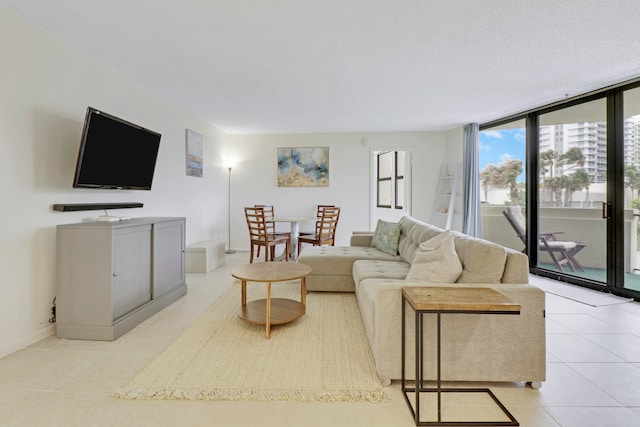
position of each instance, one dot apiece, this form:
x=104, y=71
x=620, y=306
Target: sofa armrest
x=361, y=238
x=518, y=344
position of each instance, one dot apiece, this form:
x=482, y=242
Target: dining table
x=294, y=222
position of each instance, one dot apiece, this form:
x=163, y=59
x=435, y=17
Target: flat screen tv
x=115, y=154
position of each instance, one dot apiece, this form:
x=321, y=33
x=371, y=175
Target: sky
x=499, y=145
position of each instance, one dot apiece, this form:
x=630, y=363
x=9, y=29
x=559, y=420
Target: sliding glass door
x=631, y=107
x=503, y=182
x=571, y=198
x=572, y=191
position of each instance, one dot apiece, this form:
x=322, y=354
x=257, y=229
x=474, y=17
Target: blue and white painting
x=303, y=167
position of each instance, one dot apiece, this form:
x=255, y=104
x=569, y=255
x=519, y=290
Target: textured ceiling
x=353, y=65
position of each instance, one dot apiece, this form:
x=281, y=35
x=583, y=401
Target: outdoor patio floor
x=631, y=280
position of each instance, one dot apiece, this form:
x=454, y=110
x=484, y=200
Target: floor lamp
x=229, y=250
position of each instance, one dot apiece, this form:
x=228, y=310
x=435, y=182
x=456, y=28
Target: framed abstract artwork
x=303, y=166
x=194, y=153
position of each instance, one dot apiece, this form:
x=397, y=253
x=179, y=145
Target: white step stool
x=204, y=256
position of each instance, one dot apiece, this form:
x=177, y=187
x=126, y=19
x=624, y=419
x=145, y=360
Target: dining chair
x=561, y=252
x=261, y=236
x=319, y=211
x=269, y=213
x=326, y=230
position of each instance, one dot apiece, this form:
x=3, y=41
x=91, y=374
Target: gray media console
x=111, y=276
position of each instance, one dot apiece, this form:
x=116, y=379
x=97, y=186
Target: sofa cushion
x=436, y=261
x=338, y=260
x=378, y=269
x=414, y=233
x=482, y=261
x=386, y=237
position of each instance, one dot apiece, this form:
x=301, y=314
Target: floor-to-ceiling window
x=502, y=180
x=631, y=107
x=580, y=202
x=572, y=177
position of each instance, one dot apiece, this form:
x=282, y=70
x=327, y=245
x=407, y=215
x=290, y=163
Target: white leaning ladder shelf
x=446, y=197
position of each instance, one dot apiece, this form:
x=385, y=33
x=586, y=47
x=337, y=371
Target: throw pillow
x=436, y=261
x=386, y=237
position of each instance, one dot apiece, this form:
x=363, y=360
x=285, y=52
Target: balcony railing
x=576, y=224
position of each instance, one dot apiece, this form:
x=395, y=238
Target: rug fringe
x=376, y=396
x=220, y=357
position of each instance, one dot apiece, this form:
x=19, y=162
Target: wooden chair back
x=268, y=217
x=258, y=231
x=328, y=224
x=321, y=209
x=260, y=234
x=319, y=212
x=326, y=229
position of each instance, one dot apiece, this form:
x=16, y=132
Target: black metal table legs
x=419, y=386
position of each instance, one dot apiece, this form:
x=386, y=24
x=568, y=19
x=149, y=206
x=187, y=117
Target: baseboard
x=27, y=341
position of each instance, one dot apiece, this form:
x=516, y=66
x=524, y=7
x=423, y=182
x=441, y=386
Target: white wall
x=453, y=156
x=253, y=180
x=45, y=88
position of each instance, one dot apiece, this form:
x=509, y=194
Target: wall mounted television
x=115, y=153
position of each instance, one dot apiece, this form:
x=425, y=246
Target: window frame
x=380, y=180
x=394, y=179
x=615, y=191
x=398, y=180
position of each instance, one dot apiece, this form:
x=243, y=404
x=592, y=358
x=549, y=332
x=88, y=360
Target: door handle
x=606, y=210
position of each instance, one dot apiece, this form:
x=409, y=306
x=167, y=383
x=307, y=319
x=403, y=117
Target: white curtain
x=472, y=216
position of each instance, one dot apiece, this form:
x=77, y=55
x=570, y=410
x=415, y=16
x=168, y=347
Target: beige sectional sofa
x=474, y=347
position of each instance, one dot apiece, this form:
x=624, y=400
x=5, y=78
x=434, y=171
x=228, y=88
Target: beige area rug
x=322, y=356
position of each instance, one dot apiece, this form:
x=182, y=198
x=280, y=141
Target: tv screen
x=115, y=153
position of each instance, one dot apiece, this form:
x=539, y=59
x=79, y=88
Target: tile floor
x=593, y=376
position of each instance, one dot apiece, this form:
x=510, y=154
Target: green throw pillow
x=386, y=237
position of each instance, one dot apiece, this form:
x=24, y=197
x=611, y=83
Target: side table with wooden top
x=272, y=311
x=439, y=301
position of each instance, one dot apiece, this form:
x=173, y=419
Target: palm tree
x=547, y=160
x=555, y=185
x=572, y=157
x=511, y=169
x=632, y=179
x=488, y=177
x=503, y=175
x=575, y=182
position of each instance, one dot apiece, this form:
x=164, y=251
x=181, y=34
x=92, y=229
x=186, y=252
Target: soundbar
x=94, y=206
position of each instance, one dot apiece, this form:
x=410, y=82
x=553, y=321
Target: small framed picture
x=194, y=153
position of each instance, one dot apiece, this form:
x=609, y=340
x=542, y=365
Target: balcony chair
x=260, y=234
x=325, y=230
x=562, y=252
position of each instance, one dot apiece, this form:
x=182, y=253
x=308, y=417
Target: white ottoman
x=204, y=256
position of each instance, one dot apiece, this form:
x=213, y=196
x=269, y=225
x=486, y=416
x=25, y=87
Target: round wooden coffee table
x=272, y=311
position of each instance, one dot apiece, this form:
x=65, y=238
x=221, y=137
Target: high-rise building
x=632, y=141
x=591, y=139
